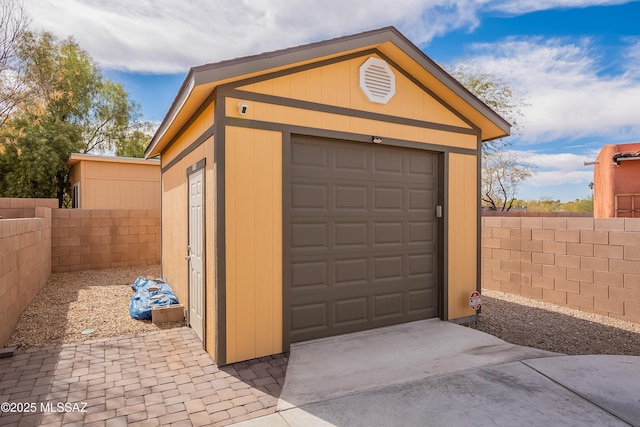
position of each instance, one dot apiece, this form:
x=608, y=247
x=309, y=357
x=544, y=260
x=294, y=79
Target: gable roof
x=76, y=158
x=202, y=80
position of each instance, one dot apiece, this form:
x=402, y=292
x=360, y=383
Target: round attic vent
x=377, y=80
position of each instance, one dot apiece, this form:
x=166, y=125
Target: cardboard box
x=168, y=313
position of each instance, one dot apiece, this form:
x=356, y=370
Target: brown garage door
x=362, y=250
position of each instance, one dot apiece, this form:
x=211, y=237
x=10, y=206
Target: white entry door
x=196, y=252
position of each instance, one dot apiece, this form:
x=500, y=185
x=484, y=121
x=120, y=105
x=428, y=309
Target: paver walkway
x=156, y=378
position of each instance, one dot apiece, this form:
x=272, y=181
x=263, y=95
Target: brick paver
x=152, y=379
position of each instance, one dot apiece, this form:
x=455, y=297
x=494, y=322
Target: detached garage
x=321, y=190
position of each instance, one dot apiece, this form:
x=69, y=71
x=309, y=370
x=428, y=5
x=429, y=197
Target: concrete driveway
x=434, y=373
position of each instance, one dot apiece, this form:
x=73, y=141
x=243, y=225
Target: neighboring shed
x=302, y=192
x=616, y=181
x=103, y=182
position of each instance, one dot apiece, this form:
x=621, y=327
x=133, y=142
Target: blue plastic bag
x=143, y=300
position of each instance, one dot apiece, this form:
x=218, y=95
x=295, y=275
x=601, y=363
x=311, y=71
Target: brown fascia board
x=236, y=68
x=451, y=83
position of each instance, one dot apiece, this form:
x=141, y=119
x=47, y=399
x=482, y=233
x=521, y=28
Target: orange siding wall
x=113, y=185
x=462, y=229
x=254, y=243
x=338, y=85
x=175, y=218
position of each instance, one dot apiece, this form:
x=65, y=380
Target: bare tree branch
x=14, y=22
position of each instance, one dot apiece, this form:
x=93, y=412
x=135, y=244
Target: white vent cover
x=377, y=80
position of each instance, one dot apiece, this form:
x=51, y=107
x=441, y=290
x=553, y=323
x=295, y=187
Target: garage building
x=320, y=190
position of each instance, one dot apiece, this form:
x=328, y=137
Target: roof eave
x=230, y=69
x=178, y=103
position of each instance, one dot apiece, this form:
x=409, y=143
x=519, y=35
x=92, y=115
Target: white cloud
x=167, y=36
x=569, y=95
x=517, y=7
x=561, y=175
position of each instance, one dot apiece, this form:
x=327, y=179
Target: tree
x=134, y=143
x=71, y=108
x=501, y=176
x=502, y=170
x=13, y=25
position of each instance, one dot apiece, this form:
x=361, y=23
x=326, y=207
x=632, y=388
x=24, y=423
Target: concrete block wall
x=23, y=208
x=590, y=264
x=89, y=239
x=25, y=265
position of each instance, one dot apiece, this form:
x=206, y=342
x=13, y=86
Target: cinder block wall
x=591, y=264
x=25, y=265
x=23, y=208
x=89, y=239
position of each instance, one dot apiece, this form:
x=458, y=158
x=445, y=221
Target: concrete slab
x=273, y=420
x=505, y=395
x=610, y=382
x=325, y=369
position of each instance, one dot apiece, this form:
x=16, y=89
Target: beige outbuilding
x=109, y=182
x=320, y=190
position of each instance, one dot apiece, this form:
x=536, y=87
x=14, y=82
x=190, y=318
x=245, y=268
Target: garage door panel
x=420, y=232
x=417, y=167
x=310, y=318
x=309, y=235
x=422, y=301
x=388, y=161
x=388, y=305
x=365, y=254
x=386, y=233
x=309, y=155
x=350, y=311
x=350, y=235
x=387, y=267
x=351, y=197
x=350, y=159
x=311, y=275
x=388, y=199
x=351, y=272
x=420, y=264
x=420, y=200
x=310, y=197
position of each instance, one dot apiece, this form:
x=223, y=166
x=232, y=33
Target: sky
x=574, y=65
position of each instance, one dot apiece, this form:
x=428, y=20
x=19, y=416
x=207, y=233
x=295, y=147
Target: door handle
x=188, y=257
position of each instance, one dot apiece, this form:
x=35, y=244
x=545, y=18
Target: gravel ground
x=73, y=302
x=99, y=299
x=549, y=327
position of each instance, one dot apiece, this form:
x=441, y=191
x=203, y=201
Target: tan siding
x=319, y=85
x=462, y=210
x=112, y=185
x=298, y=116
x=175, y=220
x=466, y=110
x=175, y=233
x=253, y=242
x=197, y=128
x=210, y=253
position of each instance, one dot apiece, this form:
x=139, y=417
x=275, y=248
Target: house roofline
x=238, y=68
